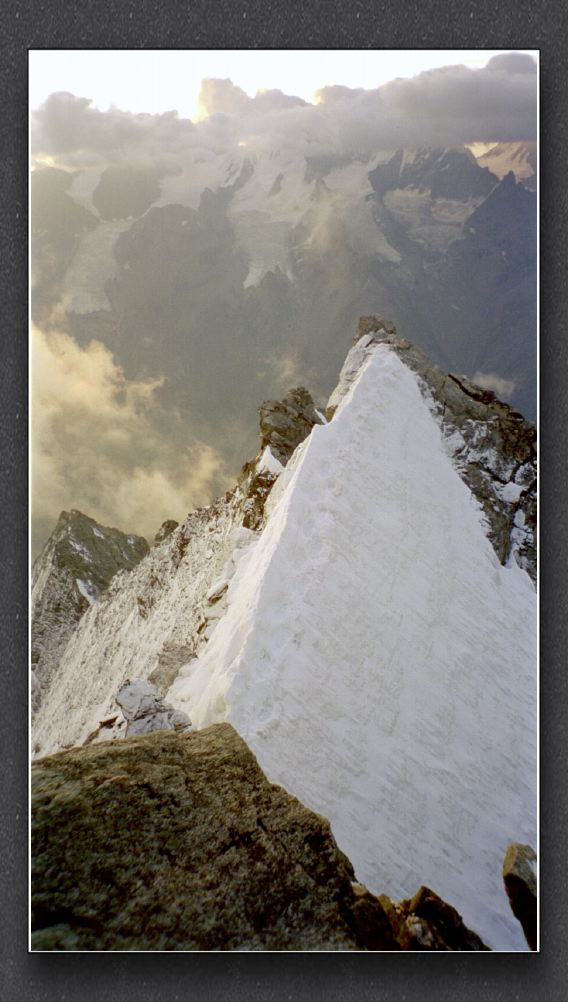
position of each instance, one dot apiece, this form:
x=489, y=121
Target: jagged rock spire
x=287, y=422
x=492, y=446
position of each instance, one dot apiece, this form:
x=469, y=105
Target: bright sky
x=162, y=80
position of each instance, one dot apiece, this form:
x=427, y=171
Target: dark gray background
x=269, y=24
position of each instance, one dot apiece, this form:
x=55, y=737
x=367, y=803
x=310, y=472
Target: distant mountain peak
x=520, y=157
x=75, y=567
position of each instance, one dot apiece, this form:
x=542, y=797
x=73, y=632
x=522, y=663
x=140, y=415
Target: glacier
x=378, y=659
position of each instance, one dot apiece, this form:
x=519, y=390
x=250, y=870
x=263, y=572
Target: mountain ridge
x=360, y=608
x=492, y=448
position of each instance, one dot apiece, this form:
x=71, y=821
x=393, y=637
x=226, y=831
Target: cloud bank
x=447, y=107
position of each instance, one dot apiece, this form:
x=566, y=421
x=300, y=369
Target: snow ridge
x=154, y=619
x=377, y=657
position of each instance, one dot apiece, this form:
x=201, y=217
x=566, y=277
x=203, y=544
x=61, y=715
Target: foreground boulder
x=178, y=842
x=171, y=841
x=519, y=877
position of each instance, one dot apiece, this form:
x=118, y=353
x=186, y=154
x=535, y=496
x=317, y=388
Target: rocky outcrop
x=178, y=842
x=491, y=445
x=256, y=485
x=75, y=567
x=145, y=711
x=141, y=710
x=426, y=922
x=287, y=422
x=170, y=659
x=519, y=877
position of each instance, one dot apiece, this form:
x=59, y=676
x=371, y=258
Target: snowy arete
x=372, y=637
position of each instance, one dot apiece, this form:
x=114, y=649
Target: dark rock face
x=426, y=922
x=446, y=173
x=256, y=486
x=287, y=422
x=492, y=446
x=519, y=877
x=165, y=530
x=75, y=566
x=95, y=552
x=284, y=424
x=370, y=921
x=171, y=842
x=490, y=275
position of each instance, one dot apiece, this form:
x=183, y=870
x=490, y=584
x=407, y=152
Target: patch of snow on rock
x=269, y=462
x=86, y=592
x=511, y=492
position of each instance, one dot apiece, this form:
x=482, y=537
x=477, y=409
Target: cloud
x=66, y=124
x=503, y=388
x=442, y=107
x=512, y=62
x=221, y=96
x=447, y=106
x=106, y=446
x=275, y=100
x=337, y=93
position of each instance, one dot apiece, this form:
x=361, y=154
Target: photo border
x=271, y=24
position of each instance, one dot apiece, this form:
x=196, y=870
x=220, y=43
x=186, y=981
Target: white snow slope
x=379, y=660
x=145, y=612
